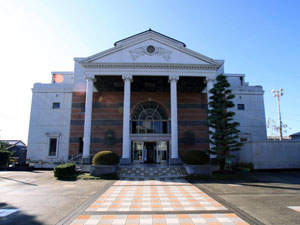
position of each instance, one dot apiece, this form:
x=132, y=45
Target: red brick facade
x=107, y=115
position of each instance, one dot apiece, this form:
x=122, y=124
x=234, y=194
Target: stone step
x=151, y=172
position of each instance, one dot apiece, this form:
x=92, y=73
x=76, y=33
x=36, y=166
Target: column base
x=125, y=161
x=175, y=161
x=86, y=160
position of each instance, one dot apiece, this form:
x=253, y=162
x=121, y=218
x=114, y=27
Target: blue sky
x=258, y=38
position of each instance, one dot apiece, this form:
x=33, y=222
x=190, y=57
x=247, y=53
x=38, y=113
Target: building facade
x=145, y=99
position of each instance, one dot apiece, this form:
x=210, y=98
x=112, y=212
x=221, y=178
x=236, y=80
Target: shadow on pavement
x=17, y=218
x=288, y=177
x=18, y=181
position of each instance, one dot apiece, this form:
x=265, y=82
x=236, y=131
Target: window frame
x=243, y=106
x=56, y=103
x=49, y=137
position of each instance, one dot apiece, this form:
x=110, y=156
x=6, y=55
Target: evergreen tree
x=224, y=133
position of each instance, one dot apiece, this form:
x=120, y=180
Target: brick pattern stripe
x=212, y=219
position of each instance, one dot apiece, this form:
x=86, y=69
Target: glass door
x=161, y=151
x=137, y=151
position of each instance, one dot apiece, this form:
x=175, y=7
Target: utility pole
x=277, y=94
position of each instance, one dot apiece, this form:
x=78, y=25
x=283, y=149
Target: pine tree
x=224, y=133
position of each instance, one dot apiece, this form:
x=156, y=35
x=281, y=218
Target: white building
x=140, y=99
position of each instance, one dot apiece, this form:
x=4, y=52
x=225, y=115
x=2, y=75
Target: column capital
x=210, y=78
x=173, y=78
x=127, y=77
x=89, y=75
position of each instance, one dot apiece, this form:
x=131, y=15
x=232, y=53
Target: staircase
x=77, y=159
x=153, y=171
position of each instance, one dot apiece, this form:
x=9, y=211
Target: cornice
x=149, y=66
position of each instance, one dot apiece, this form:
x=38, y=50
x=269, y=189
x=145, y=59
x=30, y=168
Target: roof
x=150, y=31
x=296, y=134
x=13, y=142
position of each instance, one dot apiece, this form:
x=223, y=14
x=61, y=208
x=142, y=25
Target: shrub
x=195, y=157
x=105, y=158
x=243, y=165
x=65, y=171
x=4, y=159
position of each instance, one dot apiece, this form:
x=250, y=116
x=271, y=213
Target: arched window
x=150, y=118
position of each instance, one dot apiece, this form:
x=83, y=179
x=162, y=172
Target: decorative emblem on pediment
x=159, y=51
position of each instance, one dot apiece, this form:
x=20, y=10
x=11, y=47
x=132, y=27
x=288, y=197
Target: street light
x=277, y=94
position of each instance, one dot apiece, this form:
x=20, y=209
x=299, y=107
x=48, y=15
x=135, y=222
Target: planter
x=99, y=170
x=201, y=169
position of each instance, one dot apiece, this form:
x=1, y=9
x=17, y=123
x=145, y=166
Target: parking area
x=269, y=197
x=38, y=198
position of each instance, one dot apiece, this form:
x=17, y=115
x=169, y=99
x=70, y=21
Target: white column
x=126, y=120
x=209, y=85
x=88, y=119
x=174, y=123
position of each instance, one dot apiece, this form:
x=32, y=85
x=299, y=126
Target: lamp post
x=277, y=94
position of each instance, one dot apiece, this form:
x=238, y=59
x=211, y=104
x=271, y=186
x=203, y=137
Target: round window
x=150, y=49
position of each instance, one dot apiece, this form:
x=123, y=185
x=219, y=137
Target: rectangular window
x=55, y=105
x=241, y=107
x=52, y=146
x=244, y=139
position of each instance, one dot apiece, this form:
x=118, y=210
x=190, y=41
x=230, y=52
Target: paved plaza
x=37, y=198
x=177, y=202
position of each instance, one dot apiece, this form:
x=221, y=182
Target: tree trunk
x=222, y=166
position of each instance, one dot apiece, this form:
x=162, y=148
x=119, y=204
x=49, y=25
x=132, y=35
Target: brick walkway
x=156, y=202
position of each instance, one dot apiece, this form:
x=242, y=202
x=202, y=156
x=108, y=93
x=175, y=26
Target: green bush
x=243, y=165
x=195, y=157
x=65, y=171
x=105, y=158
x=4, y=159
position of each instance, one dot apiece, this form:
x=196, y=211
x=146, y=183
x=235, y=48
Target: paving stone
x=173, y=196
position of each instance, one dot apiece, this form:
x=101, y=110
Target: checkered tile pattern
x=296, y=208
x=174, y=219
x=171, y=197
x=167, y=182
x=154, y=198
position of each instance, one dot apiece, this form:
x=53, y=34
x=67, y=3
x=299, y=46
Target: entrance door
x=150, y=149
x=137, y=151
x=162, y=151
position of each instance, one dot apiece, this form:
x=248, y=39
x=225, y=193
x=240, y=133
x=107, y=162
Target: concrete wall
x=252, y=119
x=46, y=121
x=271, y=154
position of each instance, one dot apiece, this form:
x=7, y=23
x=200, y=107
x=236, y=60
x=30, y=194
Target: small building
x=145, y=99
x=295, y=136
x=18, y=148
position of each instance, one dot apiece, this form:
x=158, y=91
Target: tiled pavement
x=156, y=202
x=187, y=219
x=296, y=208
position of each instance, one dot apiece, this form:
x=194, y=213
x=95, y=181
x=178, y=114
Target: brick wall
x=107, y=115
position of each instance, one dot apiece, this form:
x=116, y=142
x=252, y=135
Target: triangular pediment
x=150, y=47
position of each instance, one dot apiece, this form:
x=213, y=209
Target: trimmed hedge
x=195, y=157
x=65, y=171
x=4, y=159
x=105, y=158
